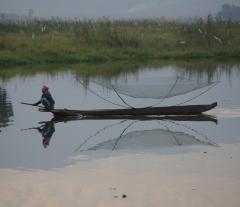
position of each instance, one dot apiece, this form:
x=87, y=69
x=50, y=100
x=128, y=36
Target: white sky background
x=115, y=8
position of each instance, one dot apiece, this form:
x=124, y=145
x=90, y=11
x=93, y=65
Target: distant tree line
x=16, y=17
x=229, y=12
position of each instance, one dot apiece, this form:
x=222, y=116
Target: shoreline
x=13, y=60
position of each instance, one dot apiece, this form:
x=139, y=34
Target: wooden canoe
x=147, y=111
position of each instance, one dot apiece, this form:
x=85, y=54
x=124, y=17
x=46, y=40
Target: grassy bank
x=90, y=41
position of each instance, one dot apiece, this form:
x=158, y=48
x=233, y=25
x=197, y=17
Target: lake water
x=22, y=144
x=95, y=146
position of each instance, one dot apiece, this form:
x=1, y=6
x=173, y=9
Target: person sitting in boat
x=46, y=99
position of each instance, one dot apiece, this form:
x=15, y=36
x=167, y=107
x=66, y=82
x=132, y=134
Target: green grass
x=89, y=41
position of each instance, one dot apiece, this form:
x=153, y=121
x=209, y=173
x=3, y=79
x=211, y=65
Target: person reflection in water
x=47, y=131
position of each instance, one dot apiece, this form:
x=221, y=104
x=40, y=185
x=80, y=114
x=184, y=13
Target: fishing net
x=153, y=87
x=149, y=139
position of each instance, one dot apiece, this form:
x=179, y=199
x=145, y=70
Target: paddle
x=40, y=108
x=28, y=104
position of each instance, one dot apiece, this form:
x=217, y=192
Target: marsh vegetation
x=92, y=41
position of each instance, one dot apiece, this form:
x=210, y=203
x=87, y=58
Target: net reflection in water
x=149, y=139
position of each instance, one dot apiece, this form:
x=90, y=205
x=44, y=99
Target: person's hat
x=44, y=88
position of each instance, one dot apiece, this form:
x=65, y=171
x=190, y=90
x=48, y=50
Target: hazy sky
x=115, y=8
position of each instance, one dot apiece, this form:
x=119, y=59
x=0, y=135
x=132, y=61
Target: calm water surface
x=22, y=145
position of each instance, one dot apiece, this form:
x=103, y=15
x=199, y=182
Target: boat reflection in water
x=136, y=139
x=115, y=136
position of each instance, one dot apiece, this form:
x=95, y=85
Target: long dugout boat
x=147, y=111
